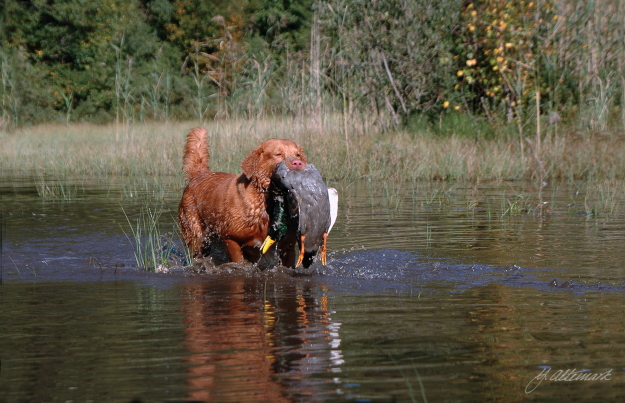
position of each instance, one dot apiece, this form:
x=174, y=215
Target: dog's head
x=262, y=161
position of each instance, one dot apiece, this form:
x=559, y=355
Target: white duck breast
x=333, y=195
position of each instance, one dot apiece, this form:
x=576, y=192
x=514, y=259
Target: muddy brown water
x=429, y=293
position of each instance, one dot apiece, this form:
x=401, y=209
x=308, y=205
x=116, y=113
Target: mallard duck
x=303, y=201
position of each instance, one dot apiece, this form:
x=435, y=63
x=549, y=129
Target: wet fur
x=231, y=208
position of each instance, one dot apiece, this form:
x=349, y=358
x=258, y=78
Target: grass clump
x=604, y=198
x=154, y=250
x=61, y=190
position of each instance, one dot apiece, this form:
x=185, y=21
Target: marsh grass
x=406, y=378
x=604, y=198
x=61, y=190
x=155, y=150
x=149, y=157
x=394, y=193
x=440, y=195
x=150, y=188
x=154, y=249
x=517, y=204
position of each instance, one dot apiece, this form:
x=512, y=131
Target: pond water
x=435, y=292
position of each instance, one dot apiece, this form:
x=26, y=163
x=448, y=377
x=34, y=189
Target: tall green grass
x=154, y=248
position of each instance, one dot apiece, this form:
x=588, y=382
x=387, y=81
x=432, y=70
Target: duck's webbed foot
x=323, y=249
x=300, y=258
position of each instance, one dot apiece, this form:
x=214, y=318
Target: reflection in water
x=255, y=340
x=482, y=344
x=89, y=341
x=430, y=290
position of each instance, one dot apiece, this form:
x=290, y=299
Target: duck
x=302, y=201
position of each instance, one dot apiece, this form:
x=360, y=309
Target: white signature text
x=569, y=375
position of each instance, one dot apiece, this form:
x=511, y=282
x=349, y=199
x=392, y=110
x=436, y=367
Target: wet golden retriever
x=231, y=208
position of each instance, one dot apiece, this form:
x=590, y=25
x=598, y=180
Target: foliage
x=399, y=61
x=568, y=51
x=283, y=24
x=497, y=49
x=394, y=55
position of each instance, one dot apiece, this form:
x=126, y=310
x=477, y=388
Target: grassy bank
x=348, y=149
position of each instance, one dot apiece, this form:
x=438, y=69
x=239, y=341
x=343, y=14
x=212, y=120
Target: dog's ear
x=250, y=164
x=253, y=169
x=302, y=154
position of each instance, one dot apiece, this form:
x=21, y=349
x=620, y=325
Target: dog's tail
x=195, y=160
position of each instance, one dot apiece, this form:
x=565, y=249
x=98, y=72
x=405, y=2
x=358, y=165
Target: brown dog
x=229, y=208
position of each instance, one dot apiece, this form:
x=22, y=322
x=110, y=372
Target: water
x=432, y=291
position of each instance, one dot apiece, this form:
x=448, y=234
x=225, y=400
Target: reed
x=406, y=378
x=597, y=199
x=604, y=198
x=517, y=204
x=154, y=249
x=124, y=90
x=58, y=190
x=9, y=97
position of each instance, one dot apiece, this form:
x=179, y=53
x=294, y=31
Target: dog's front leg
x=234, y=250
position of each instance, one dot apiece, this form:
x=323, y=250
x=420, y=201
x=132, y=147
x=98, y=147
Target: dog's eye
x=278, y=154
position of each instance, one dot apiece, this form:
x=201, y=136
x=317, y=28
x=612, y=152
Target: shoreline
x=364, y=152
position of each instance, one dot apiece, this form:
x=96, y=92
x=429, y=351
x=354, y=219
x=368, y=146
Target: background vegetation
x=414, y=64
